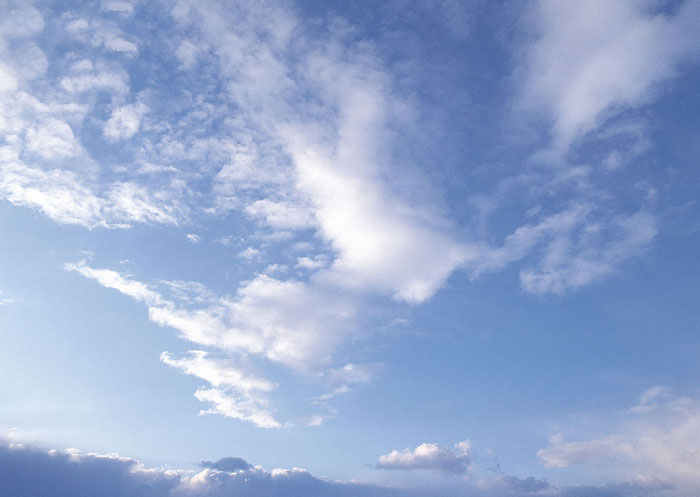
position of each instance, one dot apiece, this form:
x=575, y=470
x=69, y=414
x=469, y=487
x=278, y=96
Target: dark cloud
x=229, y=464
x=31, y=473
x=526, y=485
x=651, y=488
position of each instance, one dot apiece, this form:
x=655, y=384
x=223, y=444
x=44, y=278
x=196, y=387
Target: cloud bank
x=29, y=471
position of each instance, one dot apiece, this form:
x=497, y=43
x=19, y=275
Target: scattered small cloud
x=317, y=262
x=250, y=253
x=6, y=299
x=430, y=456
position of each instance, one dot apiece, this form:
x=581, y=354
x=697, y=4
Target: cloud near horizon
x=656, y=438
x=39, y=473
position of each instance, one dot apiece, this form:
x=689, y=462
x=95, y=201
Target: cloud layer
x=39, y=473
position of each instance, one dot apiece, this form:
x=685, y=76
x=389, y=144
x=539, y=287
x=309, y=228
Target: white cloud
x=281, y=215
x=593, y=59
x=317, y=262
x=187, y=53
x=120, y=6
x=57, y=193
x=302, y=137
x=52, y=139
x=113, y=81
x=250, y=253
x=430, y=456
x=227, y=404
x=341, y=379
x=6, y=299
x=577, y=258
x=286, y=322
x=659, y=441
x=193, y=238
x=236, y=393
x=321, y=163
x=113, y=279
x=563, y=454
x=124, y=122
x=132, y=202
x=216, y=371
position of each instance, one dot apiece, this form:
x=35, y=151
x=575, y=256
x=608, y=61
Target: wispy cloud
x=657, y=438
x=592, y=60
x=235, y=393
x=286, y=322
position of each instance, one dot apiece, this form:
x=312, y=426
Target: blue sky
x=415, y=248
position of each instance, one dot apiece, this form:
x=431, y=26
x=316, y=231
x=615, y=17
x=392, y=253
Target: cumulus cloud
x=430, y=456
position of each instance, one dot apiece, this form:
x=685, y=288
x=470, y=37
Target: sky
x=349, y=248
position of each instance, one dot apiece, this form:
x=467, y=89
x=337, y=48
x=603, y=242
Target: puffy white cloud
x=430, y=456
x=317, y=262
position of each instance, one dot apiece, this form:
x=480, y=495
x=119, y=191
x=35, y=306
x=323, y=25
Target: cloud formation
x=299, y=131
x=430, y=456
x=285, y=322
x=29, y=471
x=657, y=437
x=593, y=60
